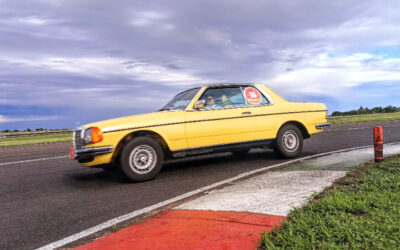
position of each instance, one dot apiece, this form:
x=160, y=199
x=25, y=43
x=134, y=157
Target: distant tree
x=352, y=112
x=361, y=111
x=15, y=130
x=28, y=130
x=336, y=113
x=389, y=109
x=377, y=110
x=6, y=130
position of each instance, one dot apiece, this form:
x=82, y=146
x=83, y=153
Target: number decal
x=252, y=95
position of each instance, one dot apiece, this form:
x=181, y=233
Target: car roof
x=218, y=85
x=213, y=85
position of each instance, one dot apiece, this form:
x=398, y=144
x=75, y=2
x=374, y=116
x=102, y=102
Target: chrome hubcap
x=142, y=159
x=290, y=140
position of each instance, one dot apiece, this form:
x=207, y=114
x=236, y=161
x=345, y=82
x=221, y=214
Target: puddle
x=342, y=161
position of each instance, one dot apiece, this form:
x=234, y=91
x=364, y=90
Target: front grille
x=78, y=140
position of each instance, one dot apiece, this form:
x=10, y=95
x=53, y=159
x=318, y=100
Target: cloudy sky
x=69, y=61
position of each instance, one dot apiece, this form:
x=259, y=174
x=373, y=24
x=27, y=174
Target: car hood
x=137, y=121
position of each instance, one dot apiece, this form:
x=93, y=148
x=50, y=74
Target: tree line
x=366, y=111
x=30, y=130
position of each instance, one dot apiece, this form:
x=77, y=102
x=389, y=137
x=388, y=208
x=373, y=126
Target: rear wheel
x=141, y=159
x=289, y=142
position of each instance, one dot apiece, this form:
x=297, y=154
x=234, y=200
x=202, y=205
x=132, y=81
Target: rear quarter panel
x=283, y=111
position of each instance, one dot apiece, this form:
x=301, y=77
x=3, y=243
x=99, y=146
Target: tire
x=289, y=142
x=240, y=152
x=141, y=159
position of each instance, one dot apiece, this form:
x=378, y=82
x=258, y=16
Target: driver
x=210, y=102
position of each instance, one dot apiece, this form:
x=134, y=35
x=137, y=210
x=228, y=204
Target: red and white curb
x=232, y=217
x=229, y=218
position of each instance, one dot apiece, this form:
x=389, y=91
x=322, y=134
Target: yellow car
x=211, y=118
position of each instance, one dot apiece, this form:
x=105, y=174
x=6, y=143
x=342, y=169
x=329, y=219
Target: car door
x=225, y=119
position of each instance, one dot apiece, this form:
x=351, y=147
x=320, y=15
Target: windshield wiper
x=164, y=109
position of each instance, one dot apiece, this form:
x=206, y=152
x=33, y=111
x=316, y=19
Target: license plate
x=72, y=153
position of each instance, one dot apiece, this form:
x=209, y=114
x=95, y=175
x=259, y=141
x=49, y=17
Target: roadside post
x=378, y=143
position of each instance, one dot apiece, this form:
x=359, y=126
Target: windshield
x=181, y=100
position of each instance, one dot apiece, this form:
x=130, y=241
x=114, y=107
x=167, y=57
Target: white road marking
x=159, y=205
x=33, y=160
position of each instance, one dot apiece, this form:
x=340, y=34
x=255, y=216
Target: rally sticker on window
x=252, y=95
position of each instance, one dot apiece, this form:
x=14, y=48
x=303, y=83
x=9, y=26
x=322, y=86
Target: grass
x=365, y=118
x=360, y=211
x=36, y=139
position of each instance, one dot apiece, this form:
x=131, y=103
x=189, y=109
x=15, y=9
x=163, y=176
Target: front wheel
x=141, y=159
x=289, y=142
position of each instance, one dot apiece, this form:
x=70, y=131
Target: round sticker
x=252, y=95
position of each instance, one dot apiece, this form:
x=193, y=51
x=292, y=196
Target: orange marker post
x=378, y=143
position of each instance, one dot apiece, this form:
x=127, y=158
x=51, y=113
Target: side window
x=254, y=97
x=221, y=98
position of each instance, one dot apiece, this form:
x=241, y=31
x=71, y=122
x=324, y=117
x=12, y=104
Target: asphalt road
x=45, y=201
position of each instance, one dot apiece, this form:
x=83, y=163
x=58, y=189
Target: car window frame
x=262, y=92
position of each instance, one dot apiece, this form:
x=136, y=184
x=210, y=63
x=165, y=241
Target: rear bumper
x=88, y=154
x=323, y=125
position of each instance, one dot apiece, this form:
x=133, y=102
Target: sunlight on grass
x=364, y=118
x=36, y=139
x=361, y=211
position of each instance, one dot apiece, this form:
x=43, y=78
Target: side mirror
x=200, y=104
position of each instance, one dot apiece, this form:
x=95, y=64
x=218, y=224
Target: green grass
x=360, y=211
x=364, y=118
x=36, y=139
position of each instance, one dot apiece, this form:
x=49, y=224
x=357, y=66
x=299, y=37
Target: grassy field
x=36, y=139
x=360, y=211
x=364, y=118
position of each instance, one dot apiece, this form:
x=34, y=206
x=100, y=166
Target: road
x=47, y=200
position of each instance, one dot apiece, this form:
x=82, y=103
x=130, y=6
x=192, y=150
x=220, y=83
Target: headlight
x=93, y=135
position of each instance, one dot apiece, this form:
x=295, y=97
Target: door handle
x=246, y=113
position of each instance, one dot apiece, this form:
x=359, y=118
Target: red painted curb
x=191, y=229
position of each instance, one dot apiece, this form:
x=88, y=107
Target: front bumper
x=323, y=125
x=88, y=154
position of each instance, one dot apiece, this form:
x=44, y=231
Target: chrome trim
x=73, y=140
x=323, y=125
x=88, y=152
x=82, y=131
x=224, y=144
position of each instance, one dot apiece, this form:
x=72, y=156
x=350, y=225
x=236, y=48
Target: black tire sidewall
x=127, y=149
x=280, y=148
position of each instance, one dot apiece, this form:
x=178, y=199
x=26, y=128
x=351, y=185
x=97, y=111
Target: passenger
x=226, y=102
